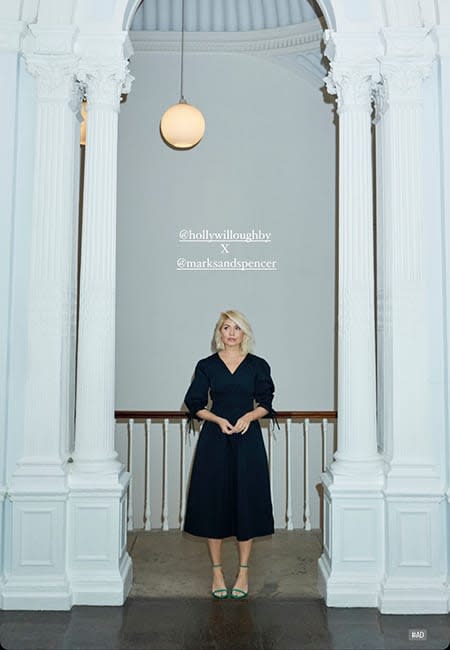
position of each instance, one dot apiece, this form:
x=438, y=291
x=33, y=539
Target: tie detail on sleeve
x=196, y=397
x=264, y=391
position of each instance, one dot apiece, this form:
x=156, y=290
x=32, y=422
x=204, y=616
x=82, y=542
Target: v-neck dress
x=229, y=488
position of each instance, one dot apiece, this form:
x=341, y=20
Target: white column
x=37, y=494
x=351, y=565
x=94, y=438
x=357, y=452
x=443, y=40
x=10, y=39
x=99, y=564
x=415, y=570
x=51, y=295
x=403, y=301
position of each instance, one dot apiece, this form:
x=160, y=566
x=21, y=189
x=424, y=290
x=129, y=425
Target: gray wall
x=267, y=162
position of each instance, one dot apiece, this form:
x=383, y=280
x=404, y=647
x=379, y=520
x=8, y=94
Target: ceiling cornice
x=283, y=40
x=223, y=15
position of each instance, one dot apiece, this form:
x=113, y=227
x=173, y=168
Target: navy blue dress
x=229, y=489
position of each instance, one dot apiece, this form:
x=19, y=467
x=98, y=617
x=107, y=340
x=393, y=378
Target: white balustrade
x=306, y=465
x=130, y=469
x=270, y=454
x=147, y=507
x=165, y=513
x=289, y=524
x=324, y=443
x=142, y=463
x=183, y=472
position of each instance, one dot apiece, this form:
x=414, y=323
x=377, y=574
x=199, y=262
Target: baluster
x=182, y=471
x=147, y=514
x=270, y=461
x=165, y=513
x=130, y=469
x=307, y=512
x=324, y=443
x=289, y=524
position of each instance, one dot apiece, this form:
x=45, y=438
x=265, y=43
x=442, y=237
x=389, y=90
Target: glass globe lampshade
x=182, y=125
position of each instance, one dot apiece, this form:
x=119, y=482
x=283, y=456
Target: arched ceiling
x=223, y=15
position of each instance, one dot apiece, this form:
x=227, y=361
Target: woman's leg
x=244, y=556
x=215, y=550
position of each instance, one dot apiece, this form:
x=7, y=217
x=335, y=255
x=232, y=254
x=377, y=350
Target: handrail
x=144, y=415
x=298, y=421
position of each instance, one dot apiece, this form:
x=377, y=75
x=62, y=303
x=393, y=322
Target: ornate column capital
x=105, y=82
x=354, y=84
x=406, y=63
x=403, y=78
x=55, y=76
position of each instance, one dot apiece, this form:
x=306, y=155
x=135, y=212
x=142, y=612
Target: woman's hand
x=226, y=426
x=243, y=423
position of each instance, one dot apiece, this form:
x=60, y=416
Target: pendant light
x=182, y=125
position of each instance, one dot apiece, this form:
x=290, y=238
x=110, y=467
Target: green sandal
x=242, y=593
x=215, y=592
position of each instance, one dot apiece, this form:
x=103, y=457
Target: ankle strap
x=217, y=565
x=246, y=565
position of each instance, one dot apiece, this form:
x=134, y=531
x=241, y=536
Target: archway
x=361, y=59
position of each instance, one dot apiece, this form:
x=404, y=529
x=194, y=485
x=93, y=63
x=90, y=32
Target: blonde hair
x=239, y=319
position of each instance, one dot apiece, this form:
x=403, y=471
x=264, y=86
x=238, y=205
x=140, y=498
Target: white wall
x=267, y=162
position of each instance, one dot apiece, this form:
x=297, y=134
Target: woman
x=229, y=491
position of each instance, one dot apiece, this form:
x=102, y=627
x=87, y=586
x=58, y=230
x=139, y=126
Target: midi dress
x=229, y=488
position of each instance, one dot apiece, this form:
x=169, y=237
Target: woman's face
x=231, y=334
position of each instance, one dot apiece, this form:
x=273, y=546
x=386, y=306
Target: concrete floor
x=177, y=565
x=170, y=608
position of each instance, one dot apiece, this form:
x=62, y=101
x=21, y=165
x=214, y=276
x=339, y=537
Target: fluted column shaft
x=94, y=439
x=403, y=298
x=357, y=441
x=51, y=292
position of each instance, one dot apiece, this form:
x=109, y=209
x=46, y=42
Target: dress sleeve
x=196, y=397
x=264, y=390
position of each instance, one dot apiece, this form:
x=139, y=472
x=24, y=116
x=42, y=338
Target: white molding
x=222, y=15
x=37, y=594
x=296, y=48
x=407, y=42
x=11, y=35
x=349, y=572
x=441, y=36
x=307, y=65
x=103, y=46
x=420, y=596
x=97, y=589
x=99, y=566
x=57, y=39
x=35, y=569
x=299, y=38
x=366, y=484
x=356, y=48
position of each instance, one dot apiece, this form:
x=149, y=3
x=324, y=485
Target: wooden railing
x=131, y=418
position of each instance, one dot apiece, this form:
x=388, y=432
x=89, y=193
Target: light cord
x=182, y=100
